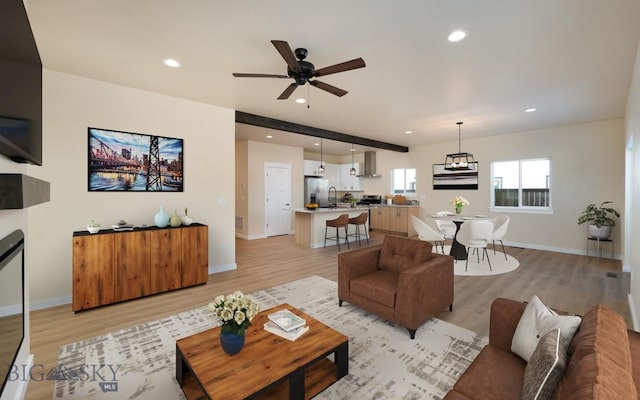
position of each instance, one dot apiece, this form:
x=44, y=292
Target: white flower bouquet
x=235, y=311
x=459, y=201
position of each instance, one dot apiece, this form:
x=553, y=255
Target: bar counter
x=310, y=225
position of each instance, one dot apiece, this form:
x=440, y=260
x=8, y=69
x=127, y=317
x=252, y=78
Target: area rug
x=384, y=363
x=498, y=264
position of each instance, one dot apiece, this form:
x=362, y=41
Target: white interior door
x=277, y=199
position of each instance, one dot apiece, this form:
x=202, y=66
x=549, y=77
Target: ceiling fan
x=302, y=71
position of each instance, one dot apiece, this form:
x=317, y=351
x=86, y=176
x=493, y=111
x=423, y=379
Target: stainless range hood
x=369, y=165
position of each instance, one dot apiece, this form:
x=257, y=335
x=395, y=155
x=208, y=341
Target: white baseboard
x=580, y=252
x=222, y=268
x=250, y=237
x=634, y=317
x=11, y=310
x=48, y=303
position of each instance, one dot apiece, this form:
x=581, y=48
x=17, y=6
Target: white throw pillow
x=537, y=319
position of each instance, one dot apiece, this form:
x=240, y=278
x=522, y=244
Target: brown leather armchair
x=401, y=280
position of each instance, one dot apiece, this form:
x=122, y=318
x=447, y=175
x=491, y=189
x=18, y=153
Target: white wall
x=242, y=188
x=257, y=154
x=587, y=167
x=632, y=131
x=10, y=220
x=70, y=105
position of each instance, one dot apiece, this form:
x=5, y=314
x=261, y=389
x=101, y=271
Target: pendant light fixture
x=352, y=171
x=458, y=161
x=321, y=167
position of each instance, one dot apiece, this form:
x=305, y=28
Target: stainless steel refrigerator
x=316, y=190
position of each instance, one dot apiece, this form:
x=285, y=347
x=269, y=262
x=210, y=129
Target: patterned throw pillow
x=537, y=319
x=546, y=367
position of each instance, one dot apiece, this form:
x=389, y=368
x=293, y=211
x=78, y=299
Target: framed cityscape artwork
x=134, y=162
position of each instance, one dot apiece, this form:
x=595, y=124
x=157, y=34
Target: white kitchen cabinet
x=311, y=167
x=332, y=172
x=348, y=181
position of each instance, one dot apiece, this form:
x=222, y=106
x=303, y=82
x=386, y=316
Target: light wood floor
x=563, y=281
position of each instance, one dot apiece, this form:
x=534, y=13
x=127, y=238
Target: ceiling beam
x=272, y=123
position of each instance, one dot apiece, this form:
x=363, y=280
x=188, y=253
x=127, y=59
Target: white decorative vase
x=186, y=220
x=161, y=218
x=599, y=233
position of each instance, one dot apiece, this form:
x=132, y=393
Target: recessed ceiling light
x=301, y=101
x=457, y=36
x=408, y=132
x=170, y=62
x=530, y=110
x=352, y=149
x=316, y=144
x=269, y=137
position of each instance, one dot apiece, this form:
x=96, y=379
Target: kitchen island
x=310, y=225
x=394, y=219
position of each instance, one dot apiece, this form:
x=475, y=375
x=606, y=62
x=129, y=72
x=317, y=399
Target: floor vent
x=612, y=275
x=239, y=222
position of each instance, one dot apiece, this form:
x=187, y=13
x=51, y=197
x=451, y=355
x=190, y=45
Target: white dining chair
x=427, y=233
x=500, y=225
x=448, y=228
x=476, y=234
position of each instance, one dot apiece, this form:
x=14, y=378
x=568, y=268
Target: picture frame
x=444, y=179
x=134, y=162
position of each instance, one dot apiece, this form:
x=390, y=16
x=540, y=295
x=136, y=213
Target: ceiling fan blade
x=242, y=75
x=285, y=51
x=287, y=92
x=331, y=89
x=345, y=66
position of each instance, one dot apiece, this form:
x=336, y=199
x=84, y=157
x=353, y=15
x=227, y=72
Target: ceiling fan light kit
x=302, y=71
x=458, y=161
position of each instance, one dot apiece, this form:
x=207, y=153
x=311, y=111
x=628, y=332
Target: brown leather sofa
x=401, y=280
x=604, y=360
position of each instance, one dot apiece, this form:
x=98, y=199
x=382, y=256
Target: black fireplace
x=11, y=301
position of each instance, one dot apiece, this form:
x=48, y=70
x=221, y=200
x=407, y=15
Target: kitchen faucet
x=333, y=203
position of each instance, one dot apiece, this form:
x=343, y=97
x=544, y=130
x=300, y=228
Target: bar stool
x=357, y=221
x=340, y=222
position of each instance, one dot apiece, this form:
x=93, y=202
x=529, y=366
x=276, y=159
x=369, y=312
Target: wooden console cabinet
x=109, y=266
x=394, y=219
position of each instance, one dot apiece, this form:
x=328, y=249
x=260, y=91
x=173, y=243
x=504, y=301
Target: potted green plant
x=600, y=218
x=93, y=226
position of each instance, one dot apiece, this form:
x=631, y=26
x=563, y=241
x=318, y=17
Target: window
x=403, y=181
x=521, y=184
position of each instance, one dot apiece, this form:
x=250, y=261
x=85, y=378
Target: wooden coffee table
x=268, y=367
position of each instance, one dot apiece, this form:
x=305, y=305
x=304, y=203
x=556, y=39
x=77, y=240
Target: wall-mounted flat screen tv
x=20, y=87
x=134, y=162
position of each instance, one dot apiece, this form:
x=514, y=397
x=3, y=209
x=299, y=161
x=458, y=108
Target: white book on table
x=292, y=335
x=287, y=320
